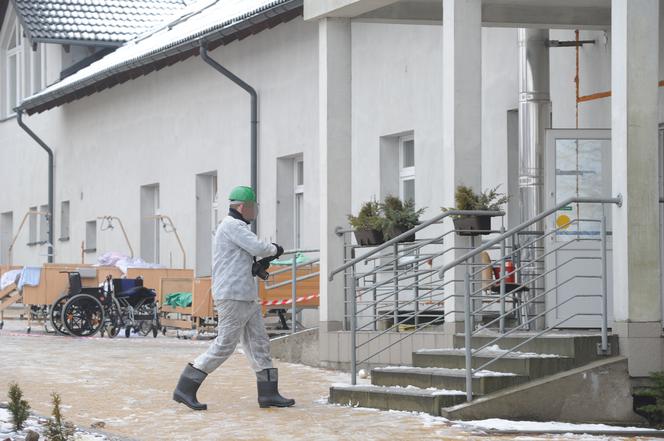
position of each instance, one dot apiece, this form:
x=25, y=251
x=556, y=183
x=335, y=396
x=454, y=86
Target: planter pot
x=472, y=225
x=399, y=231
x=369, y=237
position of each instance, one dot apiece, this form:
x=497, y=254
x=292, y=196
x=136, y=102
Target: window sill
x=32, y=244
x=64, y=239
x=90, y=250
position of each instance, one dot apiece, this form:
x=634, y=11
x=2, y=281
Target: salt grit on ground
x=127, y=384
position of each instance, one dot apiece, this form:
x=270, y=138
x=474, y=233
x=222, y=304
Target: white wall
x=165, y=128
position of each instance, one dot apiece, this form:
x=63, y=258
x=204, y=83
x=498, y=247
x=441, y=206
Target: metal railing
x=508, y=286
x=294, y=266
x=392, y=288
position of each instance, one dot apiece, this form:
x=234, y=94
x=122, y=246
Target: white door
x=577, y=164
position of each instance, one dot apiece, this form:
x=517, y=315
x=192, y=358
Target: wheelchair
x=117, y=304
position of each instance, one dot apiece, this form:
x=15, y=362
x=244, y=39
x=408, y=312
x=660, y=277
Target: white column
x=462, y=116
x=334, y=94
x=636, y=267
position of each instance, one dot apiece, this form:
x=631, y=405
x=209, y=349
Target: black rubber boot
x=185, y=391
x=268, y=390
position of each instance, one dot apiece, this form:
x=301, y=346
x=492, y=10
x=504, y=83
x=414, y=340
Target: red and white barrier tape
x=289, y=301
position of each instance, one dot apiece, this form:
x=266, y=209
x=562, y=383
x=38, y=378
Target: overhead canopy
x=218, y=22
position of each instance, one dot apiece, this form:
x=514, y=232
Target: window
x=43, y=224
x=64, y=220
x=22, y=66
x=14, y=58
x=407, y=168
x=298, y=201
x=6, y=235
x=91, y=236
x=32, y=226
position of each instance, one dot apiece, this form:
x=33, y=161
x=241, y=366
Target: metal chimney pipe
x=534, y=119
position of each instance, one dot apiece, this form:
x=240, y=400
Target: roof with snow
x=214, y=22
x=98, y=22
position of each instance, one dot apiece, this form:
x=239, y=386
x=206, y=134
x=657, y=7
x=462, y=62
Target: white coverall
x=236, y=297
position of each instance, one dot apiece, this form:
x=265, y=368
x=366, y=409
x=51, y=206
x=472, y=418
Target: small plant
x=369, y=217
x=399, y=216
x=18, y=407
x=654, y=395
x=488, y=200
x=56, y=428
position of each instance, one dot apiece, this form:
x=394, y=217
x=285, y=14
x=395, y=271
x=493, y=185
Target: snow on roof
x=204, y=18
x=110, y=22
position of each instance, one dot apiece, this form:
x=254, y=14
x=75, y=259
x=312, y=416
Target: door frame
x=549, y=201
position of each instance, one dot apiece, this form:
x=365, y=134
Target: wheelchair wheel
x=83, y=315
x=55, y=314
x=113, y=321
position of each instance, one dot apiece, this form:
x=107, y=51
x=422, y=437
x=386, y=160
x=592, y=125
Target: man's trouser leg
x=232, y=316
x=255, y=341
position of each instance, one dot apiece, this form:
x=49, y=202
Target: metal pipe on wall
x=49, y=151
x=534, y=118
x=254, y=114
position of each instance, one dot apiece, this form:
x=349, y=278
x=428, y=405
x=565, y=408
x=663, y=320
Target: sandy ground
x=127, y=384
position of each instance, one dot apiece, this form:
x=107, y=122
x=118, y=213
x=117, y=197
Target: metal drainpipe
x=254, y=114
x=38, y=140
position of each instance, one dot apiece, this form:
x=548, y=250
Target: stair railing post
x=294, y=294
x=467, y=338
x=396, y=286
x=605, y=318
x=503, y=276
x=353, y=328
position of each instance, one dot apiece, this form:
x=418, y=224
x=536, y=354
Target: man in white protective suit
x=234, y=267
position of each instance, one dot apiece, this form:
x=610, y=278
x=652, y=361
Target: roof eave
x=165, y=57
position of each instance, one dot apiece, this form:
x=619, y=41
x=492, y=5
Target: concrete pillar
x=636, y=270
x=334, y=94
x=462, y=119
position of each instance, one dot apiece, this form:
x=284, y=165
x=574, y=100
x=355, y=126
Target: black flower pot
x=369, y=237
x=472, y=225
x=398, y=231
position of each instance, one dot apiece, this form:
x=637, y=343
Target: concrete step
x=409, y=399
x=484, y=382
x=525, y=364
x=582, y=347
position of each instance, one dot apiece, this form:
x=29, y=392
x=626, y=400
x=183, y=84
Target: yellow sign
x=563, y=221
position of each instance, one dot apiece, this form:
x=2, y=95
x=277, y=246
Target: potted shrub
x=399, y=217
x=466, y=199
x=368, y=224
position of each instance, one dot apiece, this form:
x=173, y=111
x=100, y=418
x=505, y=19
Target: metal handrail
x=617, y=200
x=410, y=232
x=470, y=313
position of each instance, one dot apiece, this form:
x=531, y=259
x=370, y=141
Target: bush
x=18, y=407
x=399, y=216
x=488, y=200
x=369, y=217
x=56, y=428
x=654, y=411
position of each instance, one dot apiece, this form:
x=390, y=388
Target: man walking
x=239, y=313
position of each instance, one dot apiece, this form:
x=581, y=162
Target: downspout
x=38, y=140
x=254, y=114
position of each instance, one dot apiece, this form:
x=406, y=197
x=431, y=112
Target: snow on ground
x=34, y=424
x=552, y=426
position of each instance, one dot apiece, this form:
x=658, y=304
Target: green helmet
x=242, y=194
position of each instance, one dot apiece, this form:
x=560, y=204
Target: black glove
x=280, y=250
